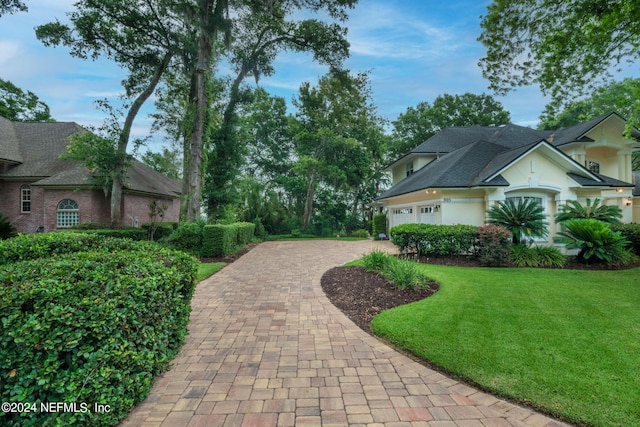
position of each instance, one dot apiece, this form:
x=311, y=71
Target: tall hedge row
x=91, y=325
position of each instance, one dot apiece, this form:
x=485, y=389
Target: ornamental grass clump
x=537, y=256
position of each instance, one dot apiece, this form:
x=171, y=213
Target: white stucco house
x=456, y=175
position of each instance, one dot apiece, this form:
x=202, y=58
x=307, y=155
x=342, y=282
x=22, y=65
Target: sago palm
x=604, y=213
x=524, y=218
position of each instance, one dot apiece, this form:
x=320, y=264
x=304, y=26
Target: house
x=459, y=173
x=41, y=192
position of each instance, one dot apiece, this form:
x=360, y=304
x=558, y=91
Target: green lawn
x=207, y=269
x=563, y=340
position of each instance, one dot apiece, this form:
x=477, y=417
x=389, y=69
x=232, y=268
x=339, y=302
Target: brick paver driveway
x=267, y=348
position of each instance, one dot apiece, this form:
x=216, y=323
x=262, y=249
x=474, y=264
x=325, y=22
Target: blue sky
x=414, y=50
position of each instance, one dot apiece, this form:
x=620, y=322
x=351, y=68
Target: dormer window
x=409, y=168
x=592, y=166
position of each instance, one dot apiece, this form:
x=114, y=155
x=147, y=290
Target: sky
x=413, y=50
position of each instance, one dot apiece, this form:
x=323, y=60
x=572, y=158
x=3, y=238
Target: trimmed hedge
x=245, y=232
x=94, y=325
x=435, y=240
x=224, y=239
x=219, y=240
x=379, y=225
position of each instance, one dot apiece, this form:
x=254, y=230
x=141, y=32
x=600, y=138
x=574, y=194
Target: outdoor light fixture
x=629, y=202
x=619, y=190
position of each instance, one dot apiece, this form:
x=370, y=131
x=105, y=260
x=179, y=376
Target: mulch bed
x=361, y=295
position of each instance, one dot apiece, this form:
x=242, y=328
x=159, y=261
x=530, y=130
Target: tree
x=524, y=218
x=12, y=6
x=418, y=124
x=564, y=46
x=141, y=36
x=18, y=106
x=604, y=213
x=335, y=138
x=253, y=37
x=620, y=97
x=167, y=162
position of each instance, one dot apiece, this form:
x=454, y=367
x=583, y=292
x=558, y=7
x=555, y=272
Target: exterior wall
x=136, y=209
x=399, y=172
x=93, y=206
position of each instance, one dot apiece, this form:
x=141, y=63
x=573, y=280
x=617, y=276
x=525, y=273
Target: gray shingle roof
x=39, y=145
x=471, y=156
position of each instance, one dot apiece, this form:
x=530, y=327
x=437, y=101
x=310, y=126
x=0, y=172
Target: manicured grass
x=207, y=269
x=566, y=341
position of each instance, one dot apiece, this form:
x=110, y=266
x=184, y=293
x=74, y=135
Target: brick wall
x=93, y=206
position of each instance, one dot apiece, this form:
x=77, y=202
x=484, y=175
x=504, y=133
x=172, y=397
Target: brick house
x=41, y=192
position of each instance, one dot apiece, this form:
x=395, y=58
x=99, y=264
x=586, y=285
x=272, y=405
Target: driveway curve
x=266, y=348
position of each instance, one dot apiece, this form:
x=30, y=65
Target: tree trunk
x=308, y=203
x=123, y=141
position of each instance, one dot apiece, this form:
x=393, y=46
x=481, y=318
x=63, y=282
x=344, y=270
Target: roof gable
x=9, y=148
x=39, y=146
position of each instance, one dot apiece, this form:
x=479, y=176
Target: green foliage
x=434, y=240
x=360, y=233
x=18, y=106
x=7, y=230
x=564, y=49
x=88, y=319
x=619, y=97
x=524, y=218
x=401, y=273
x=246, y=231
x=161, y=230
x=404, y=274
x=379, y=225
x=596, y=242
x=537, y=256
x=123, y=233
x=187, y=237
x=219, y=240
x=376, y=261
x=493, y=245
x=420, y=123
x=604, y=213
x=631, y=232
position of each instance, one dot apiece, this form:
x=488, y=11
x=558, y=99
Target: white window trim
x=23, y=190
x=67, y=213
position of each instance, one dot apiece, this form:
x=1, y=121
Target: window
x=403, y=211
x=409, y=168
x=67, y=214
x=25, y=198
x=593, y=166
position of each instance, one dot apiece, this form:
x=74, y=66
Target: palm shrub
x=524, y=218
x=604, y=213
x=596, y=242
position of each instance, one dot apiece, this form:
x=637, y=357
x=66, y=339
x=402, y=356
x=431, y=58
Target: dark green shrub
x=434, y=240
x=161, y=230
x=7, y=230
x=596, y=242
x=219, y=240
x=187, y=237
x=91, y=326
x=260, y=230
x=537, y=256
x=245, y=232
x=379, y=225
x=631, y=232
x=493, y=245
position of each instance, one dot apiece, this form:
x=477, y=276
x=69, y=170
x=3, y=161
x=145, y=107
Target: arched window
x=67, y=214
x=25, y=199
